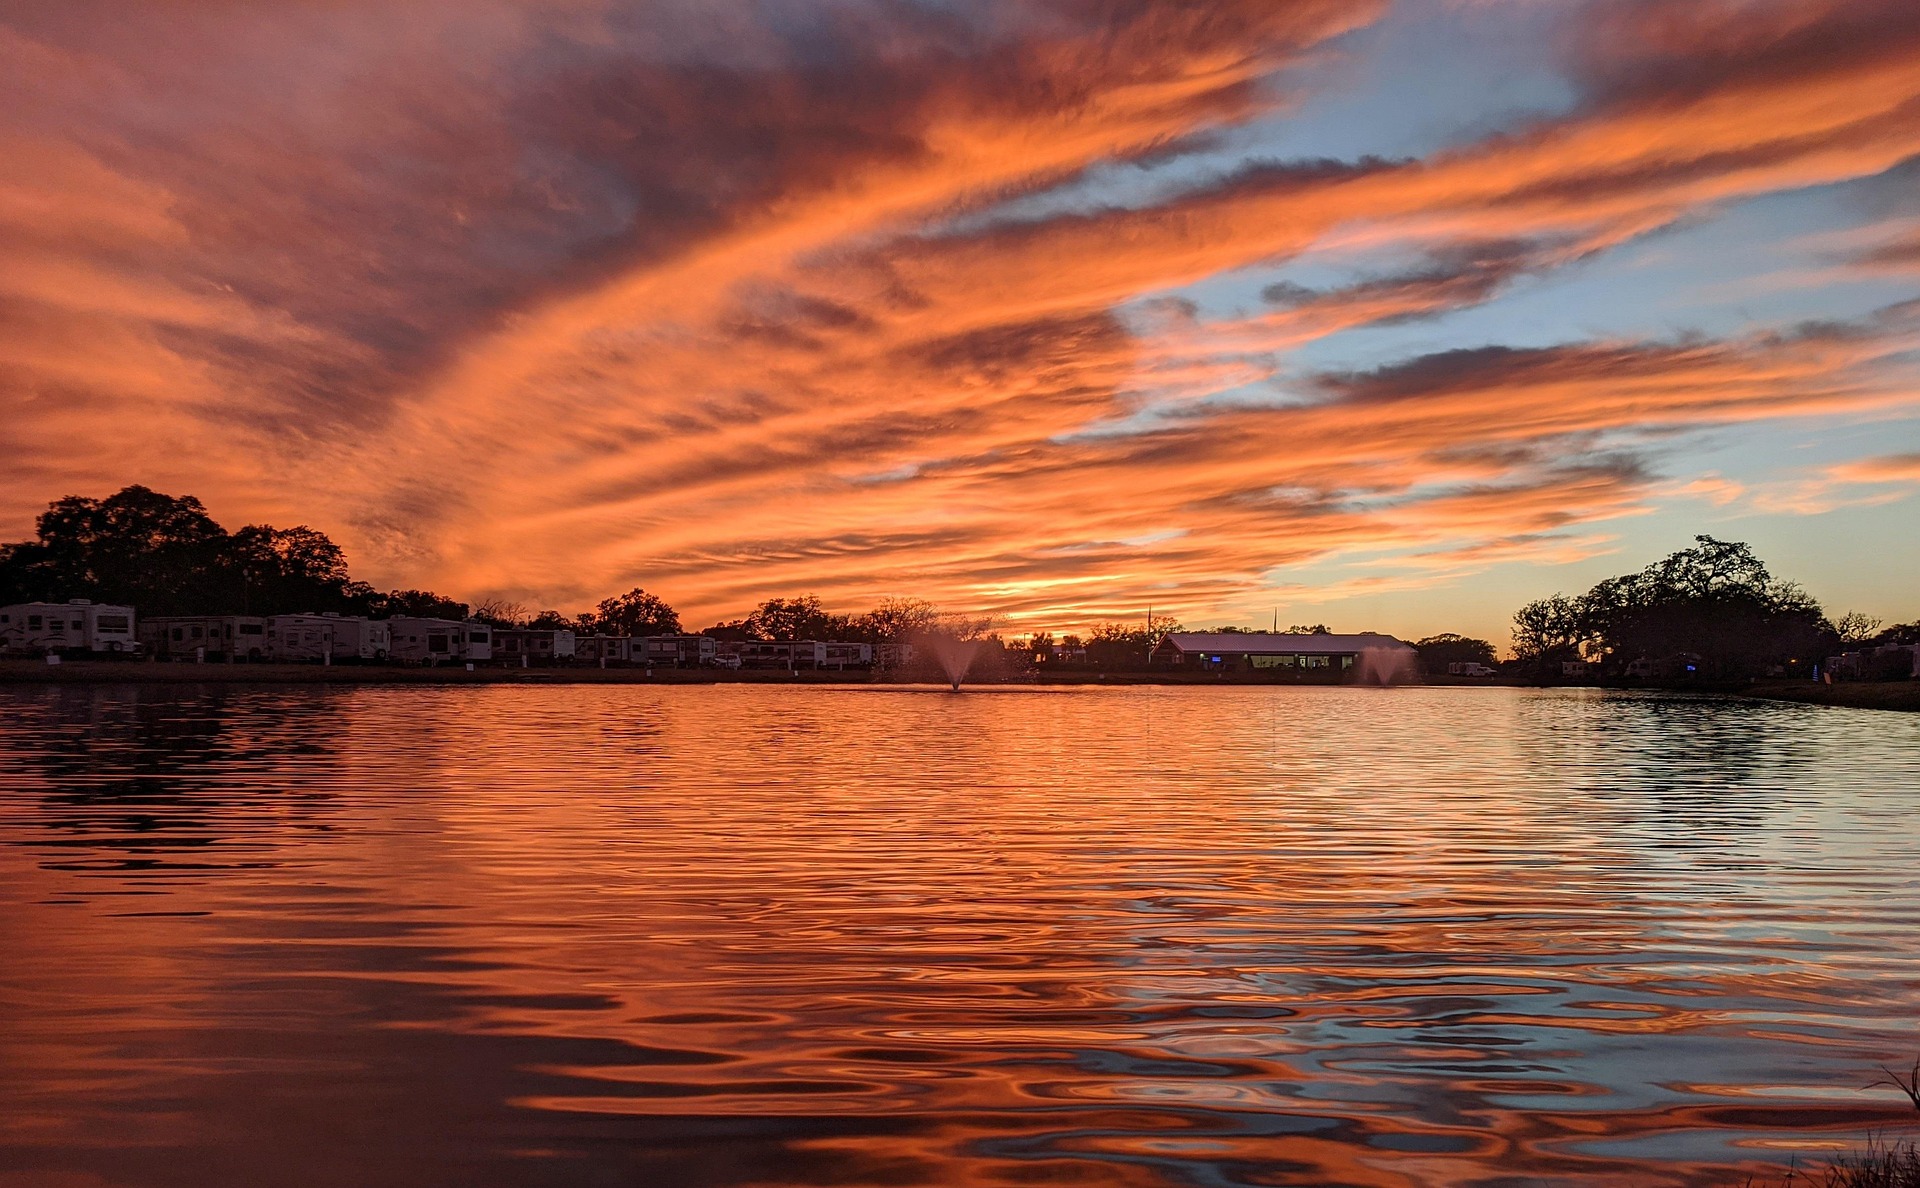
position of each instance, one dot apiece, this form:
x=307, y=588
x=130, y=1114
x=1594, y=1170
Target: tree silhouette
x=896, y=619
x=164, y=555
x=1439, y=651
x=637, y=613
x=789, y=619
x=1125, y=646
x=416, y=604
x=1715, y=601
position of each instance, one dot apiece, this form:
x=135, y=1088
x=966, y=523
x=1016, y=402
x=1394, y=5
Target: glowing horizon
x=1386, y=315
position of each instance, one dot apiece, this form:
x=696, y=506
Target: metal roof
x=1264, y=643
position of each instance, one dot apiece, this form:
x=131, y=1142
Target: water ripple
x=743, y=935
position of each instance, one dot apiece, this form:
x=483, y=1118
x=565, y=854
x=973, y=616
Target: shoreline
x=1899, y=696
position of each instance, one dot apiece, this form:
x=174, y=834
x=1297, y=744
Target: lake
x=743, y=935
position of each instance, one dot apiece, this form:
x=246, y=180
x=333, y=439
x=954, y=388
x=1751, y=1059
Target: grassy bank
x=1879, y=1166
x=1884, y=695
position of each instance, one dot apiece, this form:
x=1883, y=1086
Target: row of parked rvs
x=79, y=626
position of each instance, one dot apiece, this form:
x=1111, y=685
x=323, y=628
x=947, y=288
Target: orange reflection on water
x=740, y=935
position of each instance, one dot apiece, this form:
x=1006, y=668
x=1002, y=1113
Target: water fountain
x=1386, y=666
x=955, y=656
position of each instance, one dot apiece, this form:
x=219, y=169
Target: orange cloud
x=1892, y=468
x=549, y=299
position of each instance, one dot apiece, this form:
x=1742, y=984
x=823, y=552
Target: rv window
x=179, y=634
x=477, y=637
x=113, y=623
x=57, y=625
x=33, y=622
x=197, y=633
x=250, y=629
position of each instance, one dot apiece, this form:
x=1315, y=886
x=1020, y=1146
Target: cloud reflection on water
x=736, y=936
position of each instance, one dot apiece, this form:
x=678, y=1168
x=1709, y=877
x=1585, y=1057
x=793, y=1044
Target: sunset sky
x=1387, y=315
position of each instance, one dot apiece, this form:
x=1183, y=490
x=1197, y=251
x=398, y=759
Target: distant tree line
x=1715, y=604
x=166, y=556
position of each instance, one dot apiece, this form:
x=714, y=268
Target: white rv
x=74, y=626
x=530, y=645
x=433, y=641
x=328, y=638
x=479, y=645
x=678, y=651
x=211, y=637
x=763, y=653
x=605, y=649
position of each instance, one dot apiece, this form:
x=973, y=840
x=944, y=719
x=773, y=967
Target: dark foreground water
x=853, y=936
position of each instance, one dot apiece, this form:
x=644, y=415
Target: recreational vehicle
x=74, y=626
x=434, y=641
x=763, y=653
x=606, y=649
x=205, y=637
x=479, y=644
x=846, y=655
x=677, y=651
x=530, y=646
x=327, y=638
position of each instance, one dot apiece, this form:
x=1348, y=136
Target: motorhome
x=327, y=638
x=479, y=645
x=846, y=655
x=605, y=649
x=434, y=641
x=205, y=637
x=763, y=653
x=797, y=654
x=73, y=626
x=534, y=646
x=677, y=651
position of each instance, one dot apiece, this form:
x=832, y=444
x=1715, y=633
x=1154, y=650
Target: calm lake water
x=859, y=936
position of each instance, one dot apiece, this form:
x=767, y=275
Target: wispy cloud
x=546, y=298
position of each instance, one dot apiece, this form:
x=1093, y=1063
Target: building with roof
x=1323, y=655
